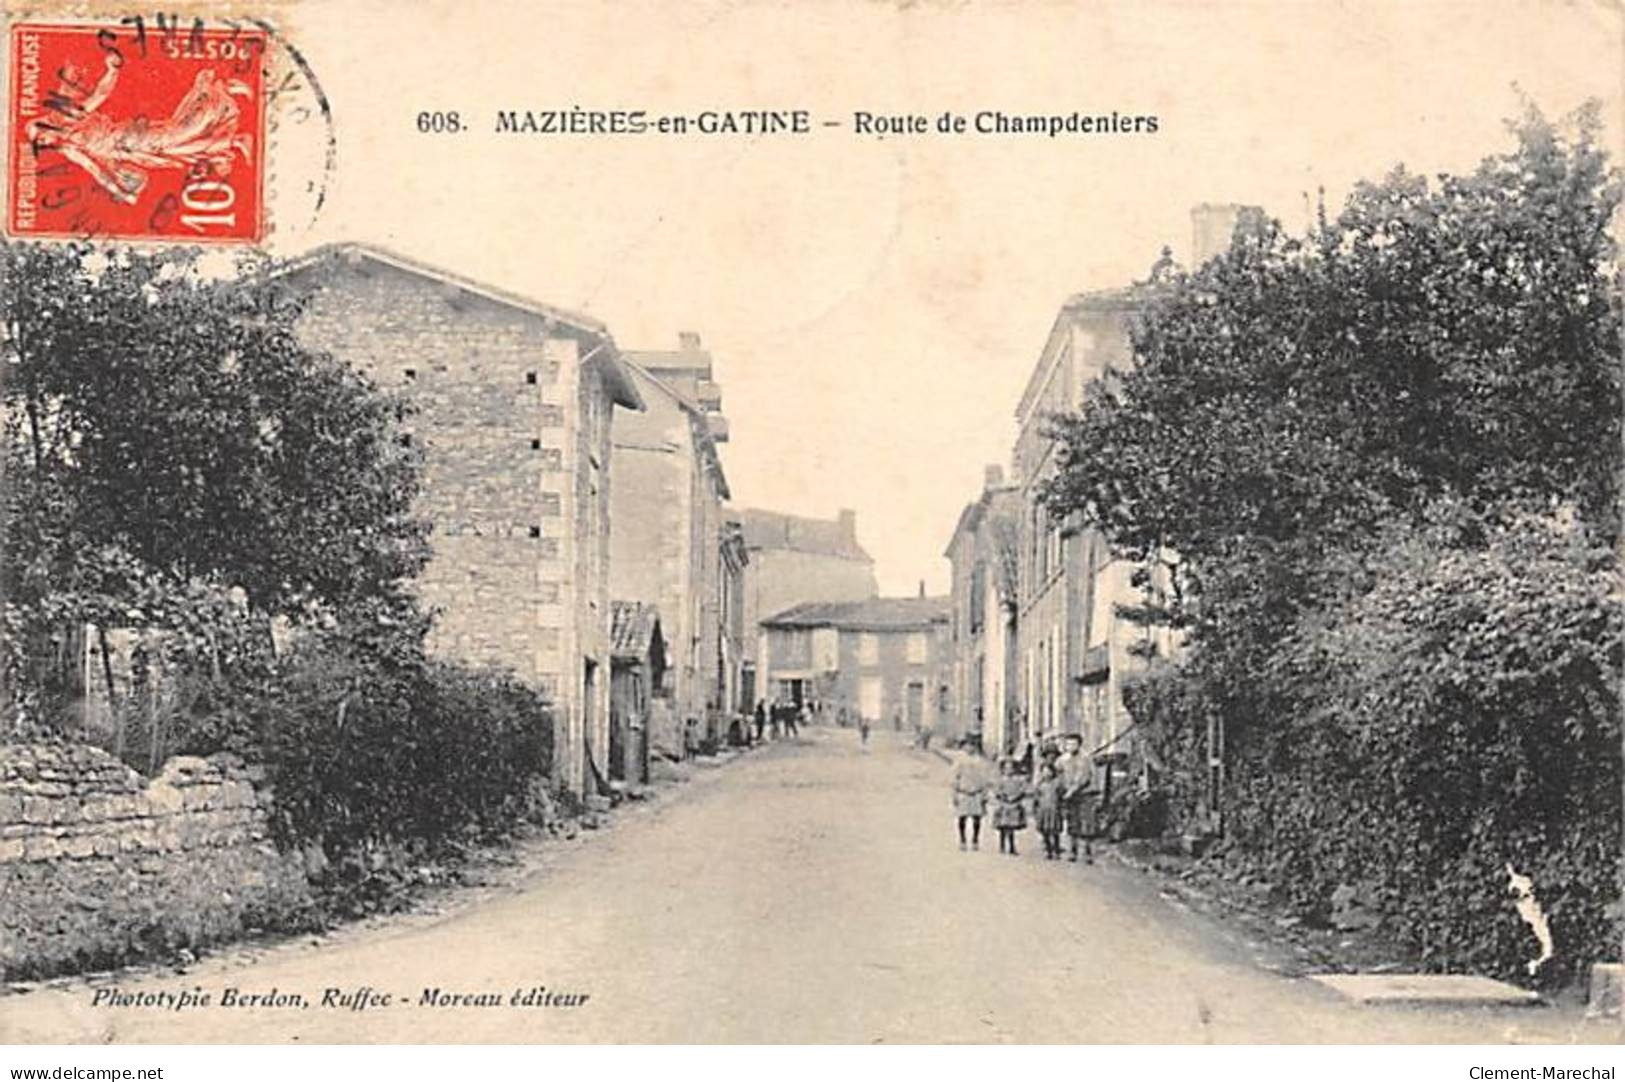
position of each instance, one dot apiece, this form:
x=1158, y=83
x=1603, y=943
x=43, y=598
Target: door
x=869, y=704
x=916, y=705
x=620, y=709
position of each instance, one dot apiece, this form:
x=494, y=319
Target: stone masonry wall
x=99, y=866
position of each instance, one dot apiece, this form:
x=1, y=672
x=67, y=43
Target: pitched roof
x=605, y=353
x=1121, y=301
x=634, y=626
x=822, y=537
x=875, y=614
x=680, y=360
x=698, y=419
x=1003, y=525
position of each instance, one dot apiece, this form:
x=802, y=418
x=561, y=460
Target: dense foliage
x=170, y=444
x=180, y=469
x=379, y=757
x=1385, y=458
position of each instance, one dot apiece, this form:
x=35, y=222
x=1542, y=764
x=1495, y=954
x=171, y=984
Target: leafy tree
x=1453, y=338
x=1344, y=438
x=170, y=442
x=1456, y=712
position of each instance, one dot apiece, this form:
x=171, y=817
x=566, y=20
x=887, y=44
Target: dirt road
x=809, y=892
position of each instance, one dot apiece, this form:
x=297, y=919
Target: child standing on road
x=1010, y=805
x=1047, y=815
x=970, y=793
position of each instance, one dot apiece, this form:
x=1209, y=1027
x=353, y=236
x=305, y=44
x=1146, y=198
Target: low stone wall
x=99, y=866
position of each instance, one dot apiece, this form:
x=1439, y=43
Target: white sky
x=875, y=307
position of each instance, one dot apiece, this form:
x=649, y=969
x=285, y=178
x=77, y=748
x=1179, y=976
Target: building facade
x=885, y=659
x=984, y=555
x=732, y=649
x=668, y=537
x=794, y=560
x=1056, y=559
x=1076, y=643
x=512, y=403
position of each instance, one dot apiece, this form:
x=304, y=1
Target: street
x=811, y=891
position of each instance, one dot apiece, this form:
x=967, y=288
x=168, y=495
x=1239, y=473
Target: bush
x=1456, y=713
x=382, y=758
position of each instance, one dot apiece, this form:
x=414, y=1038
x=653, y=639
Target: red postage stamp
x=137, y=132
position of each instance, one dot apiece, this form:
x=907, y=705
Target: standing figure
x=761, y=718
x=970, y=794
x=1047, y=815
x=1009, y=805
x=863, y=728
x=1078, y=796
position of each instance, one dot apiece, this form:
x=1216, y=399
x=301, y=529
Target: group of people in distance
x=772, y=717
x=1060, y=796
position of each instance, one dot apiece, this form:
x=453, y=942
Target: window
x=978, y=597
x=919, y=648
x=1039, y=551
x=530, y=377
x=535, y=531
x=535, y=445
x=868, y=648
x=411, y=374
x=826, y=655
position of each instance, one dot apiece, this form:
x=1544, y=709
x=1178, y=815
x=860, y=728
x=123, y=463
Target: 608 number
x=440, y=122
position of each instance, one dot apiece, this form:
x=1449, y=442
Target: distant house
x=795, y=560
x=637, y=666
x=885, y=659
x=984, y=553
x=513, y=401
x=671, y=545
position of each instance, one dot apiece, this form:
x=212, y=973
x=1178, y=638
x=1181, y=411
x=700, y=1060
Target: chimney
x=688, y=340
x=848, y=519
x=1214, y=225
x=992, y=477
x=922, y=588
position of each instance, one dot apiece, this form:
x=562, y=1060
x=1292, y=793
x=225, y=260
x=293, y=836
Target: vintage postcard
x=739, y=522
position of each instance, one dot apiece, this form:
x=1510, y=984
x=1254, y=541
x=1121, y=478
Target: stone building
x=794, y=560
x=885, y=658
x=984, y=554
x=512, y=401
x=1074, y=643
x=669, y=539
x=1056, y=558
